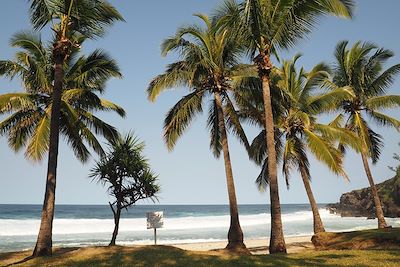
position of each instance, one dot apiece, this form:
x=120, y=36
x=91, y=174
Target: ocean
x=88, y=225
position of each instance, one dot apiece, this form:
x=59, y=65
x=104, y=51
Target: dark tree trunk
x=277, y=240
x=117, y=216
x=374, y=193
x=44, y=241
x=235, y=234
x=317, y=222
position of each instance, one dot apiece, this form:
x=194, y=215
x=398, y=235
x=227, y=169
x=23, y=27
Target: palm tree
x=209, y=61
x=29, y=124
x=266, y=26
x=128, y=174
x=297, y=129
x=361, y=68
x=68, y=20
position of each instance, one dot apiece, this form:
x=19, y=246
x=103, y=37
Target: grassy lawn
x=366, y=239
x=171, y=256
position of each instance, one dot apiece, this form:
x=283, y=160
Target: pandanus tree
x=207, y=65
x=297, y=131
x=67, y=19
x=361, y=68
x=127, y=173
x=29, y=124
x=265, y=27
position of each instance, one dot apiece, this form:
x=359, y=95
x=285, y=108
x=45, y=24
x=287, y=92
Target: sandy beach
x=257, y=246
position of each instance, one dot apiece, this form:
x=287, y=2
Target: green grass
x=365, y=239
x=170, y=256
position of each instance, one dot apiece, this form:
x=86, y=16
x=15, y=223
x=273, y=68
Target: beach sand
x=257, y=246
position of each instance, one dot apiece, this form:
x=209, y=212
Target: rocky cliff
x=360, y=202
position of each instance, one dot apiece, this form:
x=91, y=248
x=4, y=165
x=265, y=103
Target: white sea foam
x=296, y=223
x=82, y=226
x=139, y=242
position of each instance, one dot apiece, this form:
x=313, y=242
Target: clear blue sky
x=189, y=174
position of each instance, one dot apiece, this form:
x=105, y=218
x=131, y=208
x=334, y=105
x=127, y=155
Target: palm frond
x=180, y=116
x=176, y=75
x=41, y=13
x=10, y=69
x=92, y=71
x=324, y=151
x=97, y=125
x=384, y=120
x=333, y=133
x=108, y=105
x=383, y=81
x=258, y=148
x=29, y=41
x=294, y=155
x=74, y=129
x=17, y=101
x=383, y=102
x=262, y=180
x=293, y=20
x=233, y=123
x=38, y=144
x=213, y=124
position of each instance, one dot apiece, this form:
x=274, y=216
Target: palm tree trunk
x=235, y=233
x=277, y=240
x=374, y=192
x=317, y=222
x=44, y=241
x=117, y=216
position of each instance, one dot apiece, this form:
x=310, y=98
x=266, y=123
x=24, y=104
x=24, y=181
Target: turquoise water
x=85, y=225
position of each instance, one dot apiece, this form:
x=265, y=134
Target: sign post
x=155, y=220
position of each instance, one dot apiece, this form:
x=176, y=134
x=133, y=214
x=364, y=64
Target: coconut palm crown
x=361, y=68
x=28, y=123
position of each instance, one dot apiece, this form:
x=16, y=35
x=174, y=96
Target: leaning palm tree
x=30, y=113
x=67, y=19
x=361, y=69
x=209, y=61
x=266, y=26
x=297, y=129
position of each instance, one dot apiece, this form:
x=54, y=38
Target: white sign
x=155, y=220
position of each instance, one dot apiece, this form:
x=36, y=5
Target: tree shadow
x=11, y=255
x=169, y=256
x=20, y=262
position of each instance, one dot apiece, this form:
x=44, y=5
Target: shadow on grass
x=335, y=256
x=20, y=262
x=170, y=256
x=14, y=258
